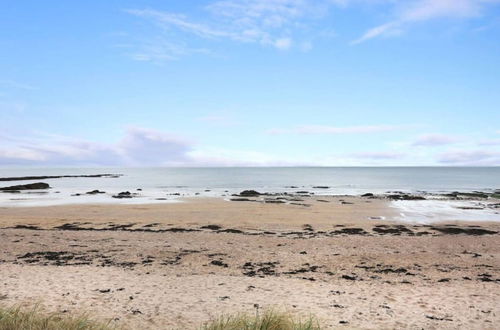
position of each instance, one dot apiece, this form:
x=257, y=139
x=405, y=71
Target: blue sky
x=249, y=82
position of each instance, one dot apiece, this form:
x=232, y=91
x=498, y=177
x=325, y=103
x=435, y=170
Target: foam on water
x=429, y=211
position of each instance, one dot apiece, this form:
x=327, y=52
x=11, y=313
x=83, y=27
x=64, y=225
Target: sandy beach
x=175, y=266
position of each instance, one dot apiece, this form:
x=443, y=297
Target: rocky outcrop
x=123, y=194
x=250, y=193
x=29, y=186
x=44, y=177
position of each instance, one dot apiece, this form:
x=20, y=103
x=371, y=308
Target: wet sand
x=179, y=265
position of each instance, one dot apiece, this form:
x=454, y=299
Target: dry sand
x=175, y=266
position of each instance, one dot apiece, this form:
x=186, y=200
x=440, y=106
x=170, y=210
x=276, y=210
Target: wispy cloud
x=17, y=85
x=382, y=155
x=272, y=23
x=470, y=157
x=411, y=12
x=160, y=50
x=432, y=140
x=139, y=146
x=319, y=129
x=489, y=142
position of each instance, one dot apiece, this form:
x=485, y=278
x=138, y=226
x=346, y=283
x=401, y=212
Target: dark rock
x=29, y=186
x=219, y=263
x=405, y=197
x=211, y=227
x=123, y=194
x=349, y=231
x=230, y=230
x=397, y=230
x=274, y=201
x=95, y=192
x=250, y=193
x=350, y=278
x=467, y=231
x=367, y=195
x=390, y=270
x=435, y=318
x=321, y=187
x=25, y=178
x=29, y=227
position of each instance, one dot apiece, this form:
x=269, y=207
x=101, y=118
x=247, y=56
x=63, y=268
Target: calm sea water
x=164, y=182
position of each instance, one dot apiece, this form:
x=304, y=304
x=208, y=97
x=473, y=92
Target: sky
x=250, y=83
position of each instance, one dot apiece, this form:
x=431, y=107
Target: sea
x=170, y=185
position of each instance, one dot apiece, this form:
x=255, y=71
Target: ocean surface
x=169, y=184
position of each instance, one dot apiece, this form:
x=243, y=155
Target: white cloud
x=470, y=158
x=382, y=155
x=377, y=31
x=231, y=157
x=489, y=142
x=283, y=43
x=411, y=12
x=139, y=146
x=432, y=140
x=319, y=129
x=160, y=50
x=271, y=23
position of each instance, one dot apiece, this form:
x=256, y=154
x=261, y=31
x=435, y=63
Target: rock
x=123, y=194
x=321, y=187
x=211, y=227
x=274, y=201
x=405, y=197
x=24, y=178
x=250, y=193
x=219, y=263
x=350, y=278
x=349, y=231
x=95, y=192
x=467, y=231
x=29, y=186
x=367, y=195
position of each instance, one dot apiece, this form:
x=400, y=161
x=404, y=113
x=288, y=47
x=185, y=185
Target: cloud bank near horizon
x=147, y=147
